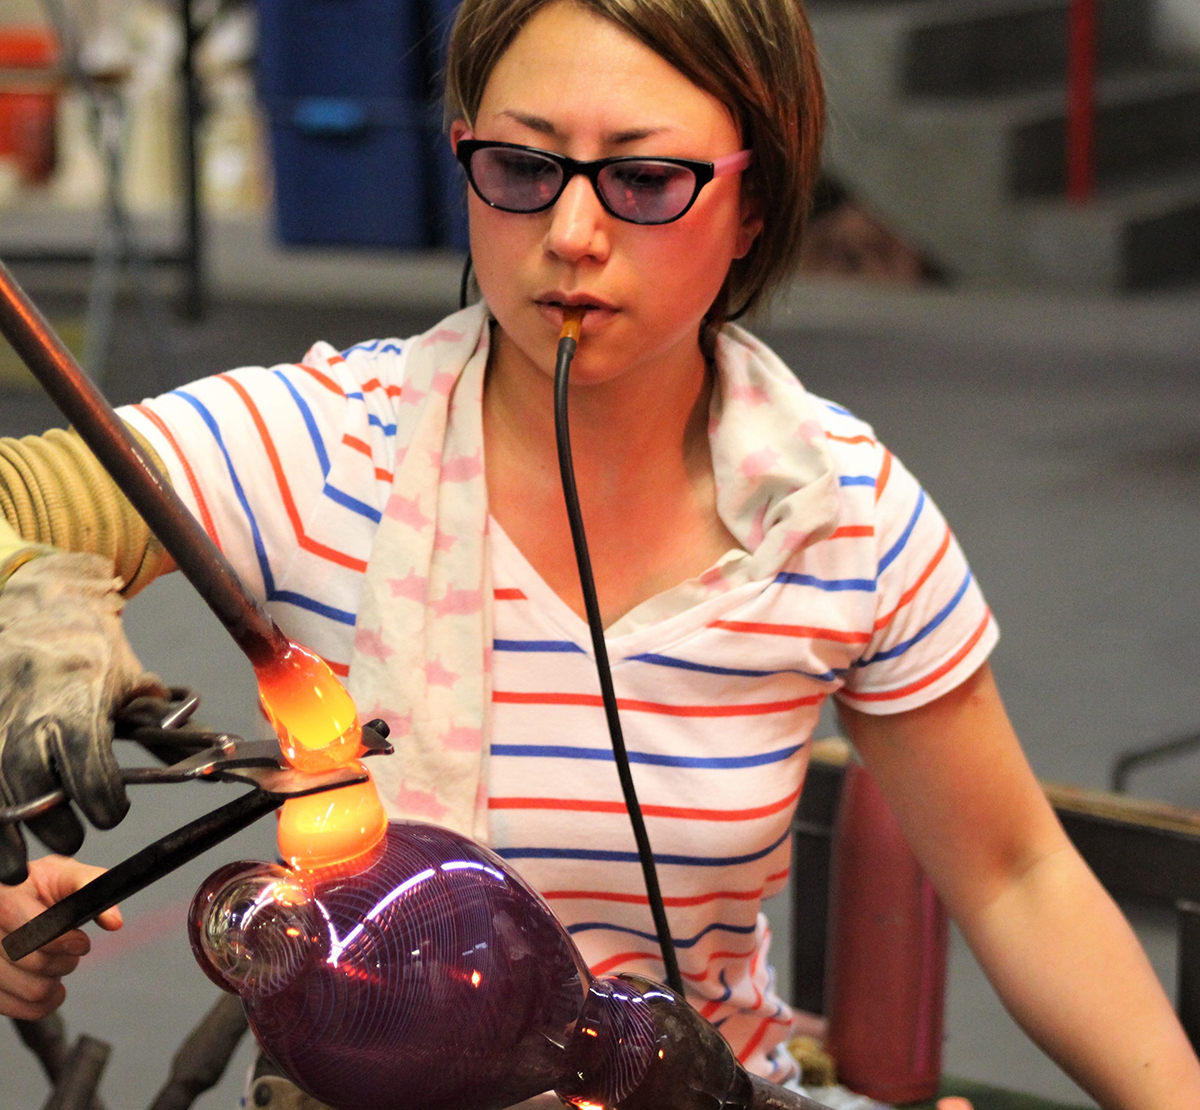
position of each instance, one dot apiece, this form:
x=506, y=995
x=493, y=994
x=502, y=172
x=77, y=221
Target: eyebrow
x=616, y=138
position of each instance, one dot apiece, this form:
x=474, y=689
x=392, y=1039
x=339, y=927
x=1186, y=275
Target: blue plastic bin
x=343, y=83
x=353, y=48
x=350, y=171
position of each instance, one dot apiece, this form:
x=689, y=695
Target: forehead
x=579, y=72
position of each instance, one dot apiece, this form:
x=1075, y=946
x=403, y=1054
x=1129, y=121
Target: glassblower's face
x=574, y=83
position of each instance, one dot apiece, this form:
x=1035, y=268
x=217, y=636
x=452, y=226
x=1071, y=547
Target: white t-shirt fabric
x=290, y=468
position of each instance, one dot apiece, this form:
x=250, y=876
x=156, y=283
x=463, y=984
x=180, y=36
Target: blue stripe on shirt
x=260, y=550
x=856, y=480
x=605, y=755
x=352, y=503
x=565, y=646
x=301, y=601
x=310, y=422
x=610, y=856
x=734, y=672
x=901, y=648
x=830, y=585
x=898, y=546
x=678, y=942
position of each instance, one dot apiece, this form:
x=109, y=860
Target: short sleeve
x=267, y=457
x=932, y=628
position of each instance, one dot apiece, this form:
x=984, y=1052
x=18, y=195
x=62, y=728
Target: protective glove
x=65, y=665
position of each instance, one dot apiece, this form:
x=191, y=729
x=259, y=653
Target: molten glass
x=310, y=711
x=332, y=827
x=425, y=975
x=318, y=729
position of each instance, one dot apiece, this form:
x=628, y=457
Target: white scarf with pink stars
x=423, y=638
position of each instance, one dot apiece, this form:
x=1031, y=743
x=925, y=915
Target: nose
x=579, y=225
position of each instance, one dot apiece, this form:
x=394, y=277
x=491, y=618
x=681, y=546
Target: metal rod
x=1081, y=101
x=77, y=397
x=193, y=237
x=76, y=1087
x=139, y=871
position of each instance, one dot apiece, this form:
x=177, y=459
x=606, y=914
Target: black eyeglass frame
x=703, y=172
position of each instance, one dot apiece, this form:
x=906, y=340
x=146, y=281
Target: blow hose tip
x=572, y=322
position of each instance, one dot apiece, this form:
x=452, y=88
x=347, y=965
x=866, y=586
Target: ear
x=459, y=129
x=751, y=224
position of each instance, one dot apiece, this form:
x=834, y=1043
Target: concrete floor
x=1060, y=437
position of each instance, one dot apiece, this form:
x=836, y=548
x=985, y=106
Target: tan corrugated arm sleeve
x=54, y=492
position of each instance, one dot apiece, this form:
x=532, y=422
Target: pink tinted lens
x=518, y=180
x=645, y=191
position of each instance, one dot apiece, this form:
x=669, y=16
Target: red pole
x=1081, y=101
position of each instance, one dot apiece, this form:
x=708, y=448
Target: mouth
x=559, y=301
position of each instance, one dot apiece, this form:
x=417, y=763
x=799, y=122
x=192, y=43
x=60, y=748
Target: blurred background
x=1002, y=274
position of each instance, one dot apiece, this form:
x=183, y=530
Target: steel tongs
x=221, y=758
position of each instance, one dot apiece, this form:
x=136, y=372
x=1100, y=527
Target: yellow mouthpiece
x=572, y=322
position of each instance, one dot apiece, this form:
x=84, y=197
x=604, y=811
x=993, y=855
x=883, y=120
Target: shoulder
x=855, y=450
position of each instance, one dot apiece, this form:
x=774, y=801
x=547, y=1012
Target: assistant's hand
x=32, y=988
x=65, y=665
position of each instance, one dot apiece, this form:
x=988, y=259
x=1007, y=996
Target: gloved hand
x=65, y=665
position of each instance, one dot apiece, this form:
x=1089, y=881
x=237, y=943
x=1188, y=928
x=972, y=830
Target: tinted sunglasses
x=639, y=190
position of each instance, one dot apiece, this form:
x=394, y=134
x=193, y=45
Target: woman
x=756, y=549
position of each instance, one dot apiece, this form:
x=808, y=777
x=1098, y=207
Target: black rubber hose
x=562, y=371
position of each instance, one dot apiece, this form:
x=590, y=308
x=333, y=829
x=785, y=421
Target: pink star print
x=462, y=738
x=758, y=463
x=463, y=468
x=458, y=602
x=414, y=586
x=420, y=803
x=407, y=510
x=436, y=674
x=369, y=641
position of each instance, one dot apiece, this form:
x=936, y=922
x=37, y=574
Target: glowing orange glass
x=310, y=711
x=318, y=729
x=336, y=826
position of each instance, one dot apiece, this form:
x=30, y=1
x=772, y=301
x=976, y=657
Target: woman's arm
x=33, y=987
x=1058, y=951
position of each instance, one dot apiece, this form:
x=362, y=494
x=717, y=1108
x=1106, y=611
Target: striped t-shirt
x=289, y=469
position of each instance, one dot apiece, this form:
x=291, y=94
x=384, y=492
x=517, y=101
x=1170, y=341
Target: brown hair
x=756, y=56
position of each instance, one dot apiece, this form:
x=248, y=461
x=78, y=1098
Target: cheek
x=690, y=262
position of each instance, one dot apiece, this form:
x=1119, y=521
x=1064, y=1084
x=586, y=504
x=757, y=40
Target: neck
x=651, y=420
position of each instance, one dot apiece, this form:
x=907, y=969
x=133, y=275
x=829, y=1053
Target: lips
x=574, y=300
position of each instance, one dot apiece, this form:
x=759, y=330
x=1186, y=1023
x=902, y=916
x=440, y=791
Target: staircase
x=948, y=118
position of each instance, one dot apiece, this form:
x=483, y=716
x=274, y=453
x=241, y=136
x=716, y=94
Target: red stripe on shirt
x=356, y=444
x=752, y=709
x=885, y=472
x=911, y=592
x=320, y=378
x=851, y=439
x=579, y=805
x=642, y=900
x=622, y=958
x=201, y=505
x=800, y=631
x=285, y=493
x=692, y=977
x=853, y=531
x=913, y=687
x=759, y=1033
x=375, y=383
x=508, y=594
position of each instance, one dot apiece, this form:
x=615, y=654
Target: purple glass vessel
x=426, y=975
